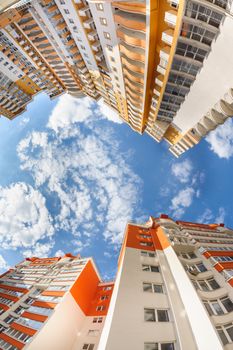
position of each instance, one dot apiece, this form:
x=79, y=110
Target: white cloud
x=109, y=113
x=82, y=168
x=221, y=140
x=69, y=110
x=107, y=254
x=59, y=253
x=24, y=218
x=3, y=264
x=182, y=201
x=206, y=217
x=182, y=170
x=40, y=250
x=220, y=216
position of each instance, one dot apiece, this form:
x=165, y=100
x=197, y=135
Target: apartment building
x=53, y=303
x=156, y=63
x=173, y=291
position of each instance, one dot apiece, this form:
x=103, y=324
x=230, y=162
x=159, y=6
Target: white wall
x=60, y=331
x=212, y=82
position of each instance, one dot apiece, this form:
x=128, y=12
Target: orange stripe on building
x=23, y=329
x=4, y=307
x=84, y=289
x=12, y=341
x=208, y=254
x=16, y=289
x=45, y=304
x=223, y=266
x=160, y=239
x=35, y=317
x=53, y=293
x=10, y=297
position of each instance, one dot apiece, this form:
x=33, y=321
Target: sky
x=72, y=175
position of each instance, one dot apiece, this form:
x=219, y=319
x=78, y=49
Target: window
x=149, y=315
x=113, y=60
x=104, y=297
x=150, y=268
x=226, y=333
x=201, y=267
x=149, y=254
x=100, y=308
x=109, y=47
x=162, y=316
x=103, y=21
x=206, y=285
x=66, y=11
x=218, y=306
x=99, y=7
x=62, y=2
x=159, y=346
x=107, y=35
x=93, y=332
x=97, y=320
x=71, y=20
x=88, y=346
x=107, y=288
x=152, y=315
x=145, y=244
x=152, y=287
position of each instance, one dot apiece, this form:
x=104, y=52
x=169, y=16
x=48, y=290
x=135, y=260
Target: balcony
x=134, y=7
x=85, y=12
x=164, y=54
x=167, y=36
x=131, y=37
x=92, y=36
x=130, y=20
x=99, y=56
x=136, y=54
x=89, y=24
x=171, y=17
x=96, y=46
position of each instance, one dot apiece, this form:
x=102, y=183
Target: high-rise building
x=173, y=291
x=163, y=66
x=53, y=303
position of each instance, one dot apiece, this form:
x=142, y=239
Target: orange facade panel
x=12, y=341
x=16, y=289
x=10, y=297
x=208, y=254
x=23, y=329
x=47, y=305
x=55, y=293
x=36, y=317
x=101, y=300
x=4, y=307
x=84, y=288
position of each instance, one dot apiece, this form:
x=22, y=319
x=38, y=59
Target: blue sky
x=72, y=175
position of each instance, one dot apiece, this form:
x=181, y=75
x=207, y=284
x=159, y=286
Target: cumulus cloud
x=59, y=253
x=24, y=218
x=108, y=112
x=220, y=216
x=206, y=216
x=83, y=170
x=3, y=264
x=221, y=140
x=40, y=250
x=182, y=170
x=181, y=201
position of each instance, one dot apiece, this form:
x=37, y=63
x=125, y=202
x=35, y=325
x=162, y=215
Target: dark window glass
x=223, y=336
x=149, y=315
x=154, y=268
x=147, y=287
x=228, y=304
x=213, y=284
x=168, y=346
x=162, y=315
